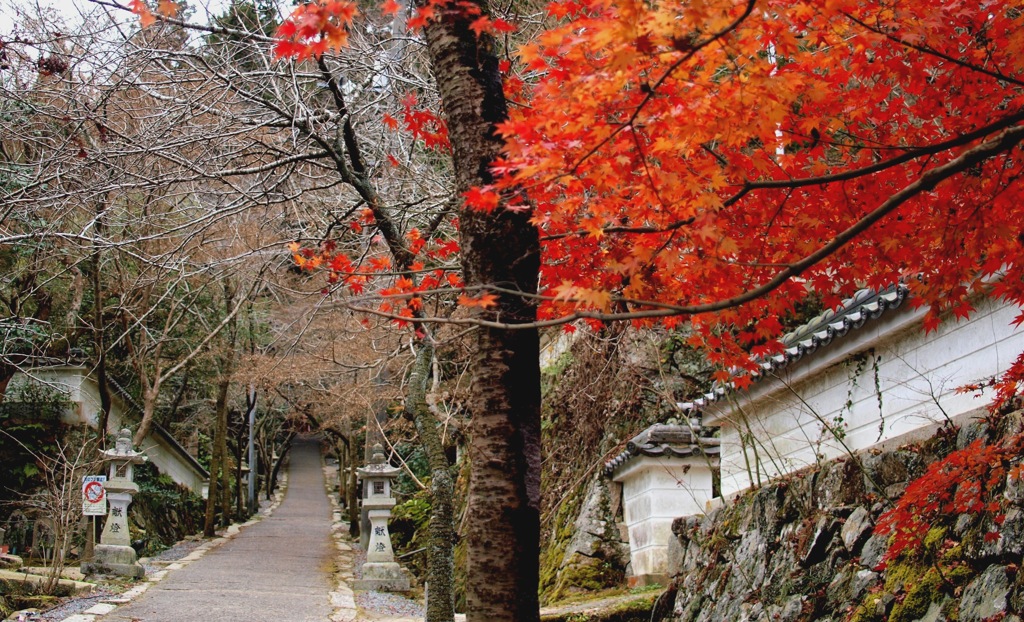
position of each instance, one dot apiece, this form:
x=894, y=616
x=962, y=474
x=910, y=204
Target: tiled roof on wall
x=864, y=306
x=664, y=440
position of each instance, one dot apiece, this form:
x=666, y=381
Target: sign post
x=94, y=495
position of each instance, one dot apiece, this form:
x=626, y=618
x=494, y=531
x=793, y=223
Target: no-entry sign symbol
x=94, y=495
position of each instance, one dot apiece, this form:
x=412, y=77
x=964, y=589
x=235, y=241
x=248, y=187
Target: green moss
x=866, y=612
x=552, y=585
x=902, y=574
x=960, y=574
x=628, y=610
x=933, y=540
x=919, y=597
x=550, y=375
x=163, y=512
x=593, y=575
x=16, y=595
x=409, y=528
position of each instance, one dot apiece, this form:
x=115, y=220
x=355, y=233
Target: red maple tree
x=724, y=159
x=732, y=156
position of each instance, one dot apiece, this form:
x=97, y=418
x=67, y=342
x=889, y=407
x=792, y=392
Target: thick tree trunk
x=341, y=449
x=99, y=338
x=225, y=471
x=218, y=458
x=441, y=550
x=149, y=398
x=352, y=490
x=285, y=447
x=501, y=248
x=240, y=448
x=347, y=481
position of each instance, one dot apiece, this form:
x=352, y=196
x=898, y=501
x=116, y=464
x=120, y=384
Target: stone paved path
x=278, y=569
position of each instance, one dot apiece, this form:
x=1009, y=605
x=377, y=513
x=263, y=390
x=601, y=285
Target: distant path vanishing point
x=276, y=570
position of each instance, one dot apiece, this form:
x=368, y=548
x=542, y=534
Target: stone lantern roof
x=122, y=451
x=378, y=466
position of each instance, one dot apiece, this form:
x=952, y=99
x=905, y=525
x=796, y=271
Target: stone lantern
x=380, y=572
x=114, y=554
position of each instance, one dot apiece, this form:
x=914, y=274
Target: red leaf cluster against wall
x=967, y=481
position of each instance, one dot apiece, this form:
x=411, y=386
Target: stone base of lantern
x=114, y=559
x=383, y=577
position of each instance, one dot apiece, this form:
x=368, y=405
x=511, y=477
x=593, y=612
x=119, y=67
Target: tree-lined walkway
x=277, y=569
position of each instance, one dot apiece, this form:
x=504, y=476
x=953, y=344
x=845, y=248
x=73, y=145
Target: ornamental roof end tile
x=667, y=440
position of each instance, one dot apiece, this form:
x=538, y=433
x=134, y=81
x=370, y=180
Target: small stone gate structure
x=666, y=471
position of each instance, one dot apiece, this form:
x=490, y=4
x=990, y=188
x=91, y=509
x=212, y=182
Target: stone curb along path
x=343, y=598
x=107, y=605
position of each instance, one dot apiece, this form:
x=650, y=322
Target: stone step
x=77, y=587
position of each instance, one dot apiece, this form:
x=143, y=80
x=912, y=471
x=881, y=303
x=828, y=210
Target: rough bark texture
x=441, y=552
x=285, y=447
x=218, y=458
x=99, y=338
x=219, y=455
x=352, y=490
x=500, y=249
x=226, y=466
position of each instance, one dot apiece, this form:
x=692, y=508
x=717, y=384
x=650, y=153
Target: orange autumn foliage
x=314, y=28
x=147, y=16
x=723, y=159
x=681, y=155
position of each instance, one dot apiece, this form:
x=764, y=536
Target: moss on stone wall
x=804, y=549
x=635, y=609
x=552, y=585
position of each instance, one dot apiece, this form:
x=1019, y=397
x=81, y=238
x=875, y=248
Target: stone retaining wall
x=804, y=548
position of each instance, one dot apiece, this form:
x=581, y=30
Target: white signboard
x=94, y=495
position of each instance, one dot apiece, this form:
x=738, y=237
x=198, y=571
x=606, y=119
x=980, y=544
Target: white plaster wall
x=166, y=459
x=784, y=419
x=655, y=491
x=85, y=397
x=84, y=394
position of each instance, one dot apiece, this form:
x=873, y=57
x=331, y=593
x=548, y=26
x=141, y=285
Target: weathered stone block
x=751, y=557
x=862, y=582
x=838, y=591
x=934, y=613
x=114, y=559
x=779, y=583
x=1014, y=491
x=792, y=609
x=1011, y=533
x=971, y=431
x=684, y=527
x=676, y=556
x=763, y=508
x=873, y=551
x=985, y=596
x=839, y=483
x=8, y=561
x=383, y=577
x=963, y=523
x=856, y=530
x=816, y=549
x=887, y=468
